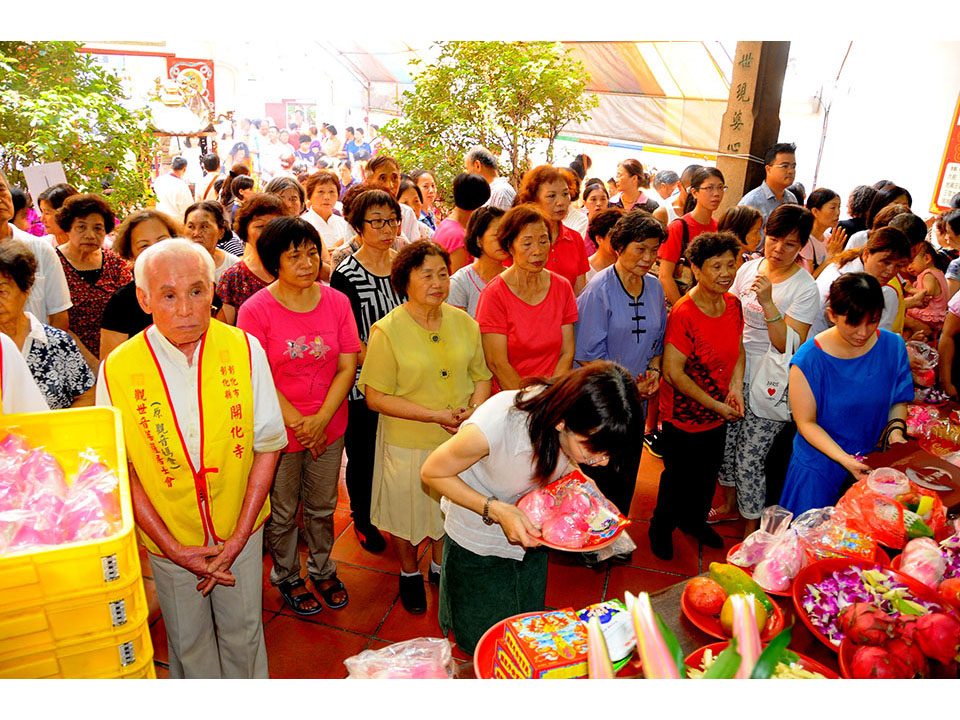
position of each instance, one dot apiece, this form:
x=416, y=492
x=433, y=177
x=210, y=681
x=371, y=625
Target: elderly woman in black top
x=123, y=317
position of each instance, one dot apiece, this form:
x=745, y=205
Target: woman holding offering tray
x=514, y=442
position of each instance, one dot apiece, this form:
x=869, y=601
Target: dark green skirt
x=477, y=591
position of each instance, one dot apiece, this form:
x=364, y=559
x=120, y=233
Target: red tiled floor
x=371, y=595
x=650, y=468
x=709, y=555
x=162, y=672
x=686, y=555
x=644, y=501
x=636, y=580
x=347, y=549
x=300, y=649
x=570, y=585
x=401, y=625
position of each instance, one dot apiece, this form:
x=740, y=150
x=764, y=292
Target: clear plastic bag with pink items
x=888, y=482
x=923, y=360
x=420, y=659
x=923, y=561
x=39, y=508
x=783, y=561
x=773, y=522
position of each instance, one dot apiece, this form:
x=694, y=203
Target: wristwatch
x=486, y=511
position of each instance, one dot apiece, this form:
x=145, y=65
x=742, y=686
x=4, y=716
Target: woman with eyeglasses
x=493, y=566
x=706, y=193
x=364, y=277
x=777, y=296
x=425, y=374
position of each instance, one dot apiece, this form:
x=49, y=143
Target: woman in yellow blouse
x=425, y=374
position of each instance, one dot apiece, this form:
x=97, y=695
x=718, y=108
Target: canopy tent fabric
x=664, y=93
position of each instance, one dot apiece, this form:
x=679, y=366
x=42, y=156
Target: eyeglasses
x=785, y=166
x=712, y=188
x=379, y=223
x=589, y=458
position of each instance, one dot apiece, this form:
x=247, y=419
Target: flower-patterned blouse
x=56, y=364
x=90, y=299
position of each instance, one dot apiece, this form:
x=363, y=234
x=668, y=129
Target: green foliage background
x=506, y=96
x=57, y=103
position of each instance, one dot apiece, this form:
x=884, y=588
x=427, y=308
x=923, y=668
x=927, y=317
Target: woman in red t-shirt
x=526, y=314
x=703, y=364
x=546, y=187
x=706, y=193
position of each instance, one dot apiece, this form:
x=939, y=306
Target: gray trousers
x=220, y=635
x=314, y=482
x=748, y=442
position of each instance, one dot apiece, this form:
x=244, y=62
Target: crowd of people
x=252, y=338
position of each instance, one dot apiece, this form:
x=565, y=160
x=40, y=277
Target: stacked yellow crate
x=77, y=610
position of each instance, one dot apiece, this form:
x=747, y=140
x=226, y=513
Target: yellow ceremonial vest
x=201, y=505
x=901, y=309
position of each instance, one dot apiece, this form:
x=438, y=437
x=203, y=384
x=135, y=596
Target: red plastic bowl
x=881, y=557
x=693, y=660
x=817, y=571
x=710, y=624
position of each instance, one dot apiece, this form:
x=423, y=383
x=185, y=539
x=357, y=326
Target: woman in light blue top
x=622, y=318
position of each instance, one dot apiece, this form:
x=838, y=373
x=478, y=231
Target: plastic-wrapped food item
x=783, y=561
x=571, y=512
x=38, y=508
x=773, y=522
x=920, y=419
x=616, y=626
x=923, y=360
x=538, y=506
x=892, y=521
x=421, y=658
x=824, y=533
x=35, y=530
x=571, y=531
x=923, y=561
x=888, y=481
x=43, y=484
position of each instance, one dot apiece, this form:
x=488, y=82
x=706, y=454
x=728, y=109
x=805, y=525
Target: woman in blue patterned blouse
x=53, y=357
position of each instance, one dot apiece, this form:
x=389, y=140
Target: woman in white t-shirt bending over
x=514, y=442
x=776, y=293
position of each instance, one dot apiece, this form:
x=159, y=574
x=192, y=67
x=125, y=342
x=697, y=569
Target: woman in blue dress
x=846, y=385
x=622, y=318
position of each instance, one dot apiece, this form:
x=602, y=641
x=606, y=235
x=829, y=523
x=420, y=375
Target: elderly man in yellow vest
x=203, y=431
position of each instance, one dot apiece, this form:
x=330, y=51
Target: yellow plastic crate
x=45, y=627
x=29, y=579
x=110, y=655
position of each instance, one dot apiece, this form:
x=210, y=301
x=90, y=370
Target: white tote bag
x=769, y=398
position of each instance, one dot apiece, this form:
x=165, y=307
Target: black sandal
x=296, y=601
x=328, y=594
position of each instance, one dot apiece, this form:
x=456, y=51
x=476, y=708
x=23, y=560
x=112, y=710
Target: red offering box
x=545, y=645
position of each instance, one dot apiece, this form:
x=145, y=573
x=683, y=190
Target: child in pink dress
x=926, y=321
